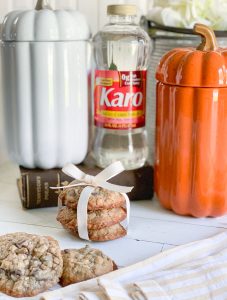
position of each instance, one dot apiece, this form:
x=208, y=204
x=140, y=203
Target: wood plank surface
x=152, y=229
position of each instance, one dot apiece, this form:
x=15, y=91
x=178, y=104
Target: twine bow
x=100, y=180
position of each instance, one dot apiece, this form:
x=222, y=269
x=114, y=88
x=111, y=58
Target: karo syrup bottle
x=121, y=54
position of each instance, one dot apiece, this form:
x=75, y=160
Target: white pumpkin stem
x=42, y=4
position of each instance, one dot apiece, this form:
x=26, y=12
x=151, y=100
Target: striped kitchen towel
x=204, y=279
x=196, y=271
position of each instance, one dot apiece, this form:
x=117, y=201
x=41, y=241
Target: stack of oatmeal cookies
x=106, y=211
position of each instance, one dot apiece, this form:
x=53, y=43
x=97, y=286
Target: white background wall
x=95, y=10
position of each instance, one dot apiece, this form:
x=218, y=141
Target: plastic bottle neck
x=118, y=19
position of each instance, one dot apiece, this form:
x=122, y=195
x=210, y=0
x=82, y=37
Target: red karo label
x=120, y=99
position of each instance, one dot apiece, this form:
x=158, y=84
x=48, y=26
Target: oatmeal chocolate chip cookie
x=107, y=233
x=101, y=235
x=99, y=199
x=83, y=264
x=29, y=264
x=96, y=219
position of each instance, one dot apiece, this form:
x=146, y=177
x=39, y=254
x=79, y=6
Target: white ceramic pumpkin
x=44, y=60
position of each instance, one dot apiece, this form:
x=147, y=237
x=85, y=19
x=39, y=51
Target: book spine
x=35, y=188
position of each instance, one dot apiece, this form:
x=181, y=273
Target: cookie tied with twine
x=90, y=183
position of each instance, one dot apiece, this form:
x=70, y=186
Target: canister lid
x=122, y=10
x=45, y=24
x=204, y=66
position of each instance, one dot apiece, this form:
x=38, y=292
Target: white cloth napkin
x=195, y=271
x=203, y=279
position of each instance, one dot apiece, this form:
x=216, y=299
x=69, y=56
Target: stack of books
x=34, y=184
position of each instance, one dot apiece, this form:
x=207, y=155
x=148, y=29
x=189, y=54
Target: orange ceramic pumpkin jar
x=191, y=129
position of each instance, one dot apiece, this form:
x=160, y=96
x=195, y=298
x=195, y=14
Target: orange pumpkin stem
x=209, y=41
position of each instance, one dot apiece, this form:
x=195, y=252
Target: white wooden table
x=152, y=229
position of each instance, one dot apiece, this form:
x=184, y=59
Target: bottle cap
x=122, y=10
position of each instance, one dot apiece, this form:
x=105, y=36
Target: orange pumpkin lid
x=204, y=66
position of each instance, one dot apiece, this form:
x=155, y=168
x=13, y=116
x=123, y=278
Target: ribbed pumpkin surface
x=191, y=150
x=191, y=67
